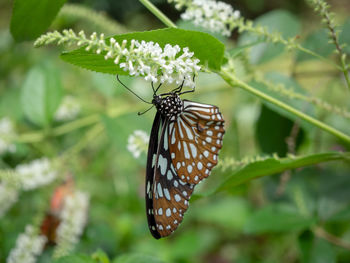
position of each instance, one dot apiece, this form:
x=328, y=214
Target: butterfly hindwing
x=195, y=138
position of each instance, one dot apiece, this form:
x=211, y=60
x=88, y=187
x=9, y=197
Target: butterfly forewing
x=166, y=195
x=195, y=138
x=152, y=152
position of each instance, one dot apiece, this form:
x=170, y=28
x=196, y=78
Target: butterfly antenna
x=132, y=91
x=141, y=113
x=160, y=84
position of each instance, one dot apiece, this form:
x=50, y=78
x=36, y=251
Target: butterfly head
x=168, y=106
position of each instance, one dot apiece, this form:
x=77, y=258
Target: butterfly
x=185, y=140
x=52, y=220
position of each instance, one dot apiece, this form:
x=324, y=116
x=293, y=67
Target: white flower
x=29, y=245
x=8, y=196
x=216, y=16
x=6, y=131
x=147, y=59
x=68, y=110
x=137, y=143
x=169, y=65
x=35, y=174
x=73, y=220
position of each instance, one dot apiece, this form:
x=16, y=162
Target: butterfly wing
x=151, y=156
x=195, y=140
x=166, y=195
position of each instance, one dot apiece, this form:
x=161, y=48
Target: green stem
x=154, y=10
x=89, y=136
x=233, y=81
x=60, y=130
x=310, y=52
x=71, y=126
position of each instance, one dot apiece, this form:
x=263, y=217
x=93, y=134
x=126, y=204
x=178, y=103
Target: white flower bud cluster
x=6, y=132
x=169, y=65
x=147, y=59
x=8, y=196
x=137, y=143
x=36, y=173
x=73, y=220
x=29, y=245
x=216, y=16
x=68, y=110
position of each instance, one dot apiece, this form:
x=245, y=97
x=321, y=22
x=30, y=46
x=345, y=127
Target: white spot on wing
x=177, y=198
x=159, y=189
x=166, y=140
x=193, y=150
x=189, y=168
x=169, y=175
x=186, y=152
x=163, y=164
x=166, y=193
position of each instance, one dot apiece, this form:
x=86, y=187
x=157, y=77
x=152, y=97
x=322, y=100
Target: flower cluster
x=73, y=219
x=68, y=110
x=29, y=245
x=216, y=16
x=137, y=143
x=170, y=64
x=35, y=174
x=6, y=131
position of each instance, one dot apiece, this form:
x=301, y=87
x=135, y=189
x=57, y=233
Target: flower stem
x=71, y=126
x=310, y=52
x=234, y=81
x=60, y=130
x=154, y=10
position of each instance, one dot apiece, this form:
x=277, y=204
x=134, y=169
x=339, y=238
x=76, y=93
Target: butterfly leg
x=187, y=91
x=179, y=88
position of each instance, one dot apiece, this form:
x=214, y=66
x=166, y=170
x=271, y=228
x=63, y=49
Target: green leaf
x=315, y=250
x=306, y=240
x=206, y=48
x=319, y=43
x=272, y=166
x=228, y=213
x=75, y=259
x=41, y=94
x=343, y=215
x=100, y=256
x=272, y=137
x=275, y=21
x=188, y=25
x=31, y=18
x=136, y=258
x=119, y=129
x=277, y=218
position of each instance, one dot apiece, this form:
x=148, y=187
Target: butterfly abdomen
x=169, y=106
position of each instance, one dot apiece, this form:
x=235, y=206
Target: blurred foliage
x=244, y=223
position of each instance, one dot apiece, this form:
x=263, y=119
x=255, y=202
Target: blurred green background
x=266, y=220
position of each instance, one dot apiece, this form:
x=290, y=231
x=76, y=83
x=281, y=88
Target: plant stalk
x=234, y=81
x=159, y=14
